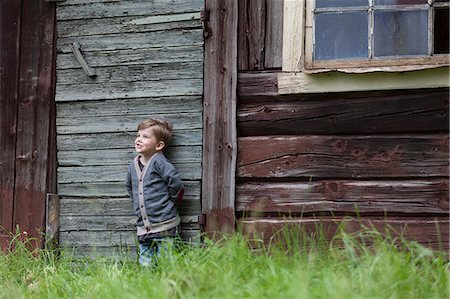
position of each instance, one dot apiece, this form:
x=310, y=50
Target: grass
x=348, y=267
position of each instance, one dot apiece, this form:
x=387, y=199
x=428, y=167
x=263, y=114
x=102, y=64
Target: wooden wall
x=27, y=108
x=380, y=156
x=148, y=59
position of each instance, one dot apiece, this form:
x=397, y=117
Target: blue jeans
x=150, y=251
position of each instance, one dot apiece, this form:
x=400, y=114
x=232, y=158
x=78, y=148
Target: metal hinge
x=204, y=17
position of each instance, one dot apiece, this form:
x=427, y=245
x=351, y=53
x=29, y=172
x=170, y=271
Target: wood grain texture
x=432, y=231
x=344, y=113
x=125, y=57
x=345, y=196
x=70, y=10
x=110, y=190
x=389, y=156
x=9, y=80
x=273, y=49
x=153, y=39
x=251, y=32
x=34, y=116
x=219, y=151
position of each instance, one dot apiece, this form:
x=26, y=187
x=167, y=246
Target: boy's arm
x=172, y=178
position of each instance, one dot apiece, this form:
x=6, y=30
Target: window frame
x=298, y=43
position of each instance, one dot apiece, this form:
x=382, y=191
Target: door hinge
x=204, y=17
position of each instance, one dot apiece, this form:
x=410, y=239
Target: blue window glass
x=340, y=3
x=400, y=33
x=341, y=35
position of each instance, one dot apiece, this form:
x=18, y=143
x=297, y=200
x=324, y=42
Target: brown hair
x=161, y=128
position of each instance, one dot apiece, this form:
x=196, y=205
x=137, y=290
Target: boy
x=155, y=187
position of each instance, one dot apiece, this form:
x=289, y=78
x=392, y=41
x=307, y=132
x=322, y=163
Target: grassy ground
x=230, y=269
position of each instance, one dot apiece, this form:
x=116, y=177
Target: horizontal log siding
x=148, y=59
x=380, y=156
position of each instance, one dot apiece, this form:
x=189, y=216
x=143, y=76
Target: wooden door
x=27, y=129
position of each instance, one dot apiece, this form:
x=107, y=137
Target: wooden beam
x=9, y=80
x=429, y=231
x=346, y=113
x=220, y=142
x=35, y=115
x=347, y=156
x=344, y=196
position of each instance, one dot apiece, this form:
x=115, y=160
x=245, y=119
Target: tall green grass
x=352, y=266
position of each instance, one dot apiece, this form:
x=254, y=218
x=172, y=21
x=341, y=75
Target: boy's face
x=146, y=143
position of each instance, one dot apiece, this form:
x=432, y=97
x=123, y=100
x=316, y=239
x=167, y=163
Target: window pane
x=400, y=33
x=341, y=35
x=399, y=2
x=340, y=3
x=441, y=29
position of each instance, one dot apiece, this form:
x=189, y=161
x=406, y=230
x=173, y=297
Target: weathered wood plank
x=344, y=156
x=117, y=173
x=133, y=106
x=433, y=232
x=127, y=123
x=273, y=48
x=220, y=146
x=108, y=222
x=81, y=240
x=136, y=106
x=133, y=73
x=127, y=41
x=178, y=154
x=252, y=31
x=258, y=84
x=9, y=81
x=117, y=189
x=109, y=9
x=121, y=140
x=116, y=207
x=85, y=27
x=34, y=115
x=414, y=196
x=368, y=113
x=96, y=59
x=116, y=90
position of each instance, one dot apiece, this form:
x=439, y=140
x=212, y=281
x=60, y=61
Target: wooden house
x=294, y=112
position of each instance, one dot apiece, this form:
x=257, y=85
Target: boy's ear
x=160, y=146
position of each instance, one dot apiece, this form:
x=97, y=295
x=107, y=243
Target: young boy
x=155, y=187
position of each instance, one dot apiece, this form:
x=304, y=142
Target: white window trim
x=297, y=49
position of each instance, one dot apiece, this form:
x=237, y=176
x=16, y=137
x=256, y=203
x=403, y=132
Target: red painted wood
x=345, y=196
x=34, y=115
x=385, y=156
x=343, y=113
x=9, y=61
x=433, y=232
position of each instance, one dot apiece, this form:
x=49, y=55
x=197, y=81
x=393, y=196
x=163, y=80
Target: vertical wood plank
x=274, y=34
x=252, y=31
x=220, y=144
x=294, y=19
x=34, y=115
x=9, y=56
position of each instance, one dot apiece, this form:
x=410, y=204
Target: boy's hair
x=161, y=128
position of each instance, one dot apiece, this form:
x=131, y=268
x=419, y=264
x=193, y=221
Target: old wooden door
x=27, y=155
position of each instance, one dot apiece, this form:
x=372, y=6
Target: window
x=368, y=35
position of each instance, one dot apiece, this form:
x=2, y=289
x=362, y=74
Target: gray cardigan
x=155, y=191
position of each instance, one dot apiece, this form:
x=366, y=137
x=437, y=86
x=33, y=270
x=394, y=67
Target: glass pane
x=441, y=28
x=400, y=33
x=340, y=3
x=399, y=2
x=341, y=35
